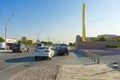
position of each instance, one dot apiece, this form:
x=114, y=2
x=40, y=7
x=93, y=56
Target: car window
x=63, y=45
x=16, y=45
x=43, y=48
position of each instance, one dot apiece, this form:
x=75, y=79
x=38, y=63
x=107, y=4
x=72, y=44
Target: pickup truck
x=62, y=49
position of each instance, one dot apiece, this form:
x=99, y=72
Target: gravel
x=38, y=73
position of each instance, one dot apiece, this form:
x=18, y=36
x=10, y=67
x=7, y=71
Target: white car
x=44, y=51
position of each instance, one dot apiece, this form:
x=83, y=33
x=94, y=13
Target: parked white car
x=44, y=51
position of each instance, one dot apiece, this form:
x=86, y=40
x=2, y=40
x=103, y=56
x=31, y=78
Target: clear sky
x=60, y=20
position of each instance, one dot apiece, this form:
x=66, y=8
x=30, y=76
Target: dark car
x=62, y=49
x=19, y=48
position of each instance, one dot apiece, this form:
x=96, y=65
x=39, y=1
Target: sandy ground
x=90, y=72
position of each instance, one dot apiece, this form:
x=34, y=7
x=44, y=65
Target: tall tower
x=84, y=23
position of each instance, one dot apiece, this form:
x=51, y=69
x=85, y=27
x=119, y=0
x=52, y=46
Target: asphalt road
x=13, y=63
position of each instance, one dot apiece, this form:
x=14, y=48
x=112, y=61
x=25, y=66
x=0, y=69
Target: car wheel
x=49, y=58
x=67, y=53
x=21, y=51
x=36, y=58
x=54, y=55
x=13, y=51
x=27, y=50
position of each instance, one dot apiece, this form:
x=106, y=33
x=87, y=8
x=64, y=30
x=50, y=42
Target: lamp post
x=6, y=24
x=38, y=34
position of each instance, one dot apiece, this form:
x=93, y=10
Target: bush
x=102, y=39
x=113, y=46
x=1, y=39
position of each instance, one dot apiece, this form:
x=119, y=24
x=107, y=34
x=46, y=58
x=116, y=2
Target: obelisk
x=84, y=23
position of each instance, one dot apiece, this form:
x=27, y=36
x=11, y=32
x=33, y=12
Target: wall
x=92, y=45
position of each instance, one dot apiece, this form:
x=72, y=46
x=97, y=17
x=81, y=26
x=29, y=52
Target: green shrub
x=1, y=39
x=113, y=46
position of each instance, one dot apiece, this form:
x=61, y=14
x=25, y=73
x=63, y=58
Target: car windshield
x=43, y=48
x=16, y=45
x=63, y=45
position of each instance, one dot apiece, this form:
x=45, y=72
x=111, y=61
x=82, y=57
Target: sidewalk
x=90, y=72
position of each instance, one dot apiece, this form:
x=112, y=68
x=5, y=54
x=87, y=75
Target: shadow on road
x=6, y=52
x=21, y=59
x=102, y=72
x=82, y=57
x=109, y=54
x=78, y=54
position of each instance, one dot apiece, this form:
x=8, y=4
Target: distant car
x=43, y=52
x=38, y=45
x=62, y=49
x=19, y=48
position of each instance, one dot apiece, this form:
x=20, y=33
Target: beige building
x=32, y=41
x=108, y=36
x=28, y=39
x=11, y=40
x=25, y=38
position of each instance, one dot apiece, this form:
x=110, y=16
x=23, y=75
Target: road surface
x=13, y=63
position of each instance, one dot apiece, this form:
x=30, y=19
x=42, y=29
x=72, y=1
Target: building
x=118, y=36
x=25, y=39
x=108, y=36
x=28, y=39
x=91, y=38
x=32, y=41
x=11, y=40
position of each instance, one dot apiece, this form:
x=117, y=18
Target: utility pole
x=48, y=39
x=38, y=35
x=6, y=24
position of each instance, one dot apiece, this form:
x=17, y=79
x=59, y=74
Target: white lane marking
x=10, y=67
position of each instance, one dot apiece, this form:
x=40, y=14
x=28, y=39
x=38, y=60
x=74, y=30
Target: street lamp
x=38, y=34
x=6, y=23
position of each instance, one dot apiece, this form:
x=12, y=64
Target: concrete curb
x=5, y=50
x=59, y=73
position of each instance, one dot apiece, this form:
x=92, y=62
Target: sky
x=59, y=20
